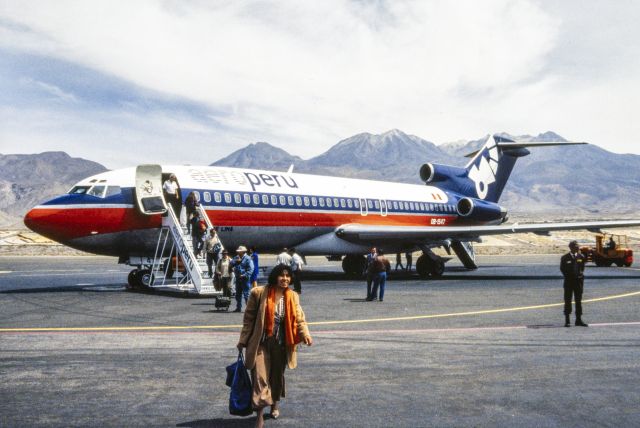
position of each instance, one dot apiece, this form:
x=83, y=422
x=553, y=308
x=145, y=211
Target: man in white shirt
x=296, y=270
x=172, y=194
x=284, y=258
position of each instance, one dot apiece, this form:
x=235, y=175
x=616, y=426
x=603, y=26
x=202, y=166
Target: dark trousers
x=210, y=261
x=369, y=282
x=198, y=244
x=189, y=212
x=573, y=289
x=225, y=283
x=176, y=204
x=297, y=284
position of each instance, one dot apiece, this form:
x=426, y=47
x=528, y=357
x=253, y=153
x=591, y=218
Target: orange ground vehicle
x=609, y=249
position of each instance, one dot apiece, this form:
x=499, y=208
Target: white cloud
x=52, y=90
x=303, y=75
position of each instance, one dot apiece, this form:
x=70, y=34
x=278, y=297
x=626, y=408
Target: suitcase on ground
x=223, y=303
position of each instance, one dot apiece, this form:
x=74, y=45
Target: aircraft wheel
x=437, y=268
x=353, y=265
x=422, y=266
x=145, y=278
x=131, y=279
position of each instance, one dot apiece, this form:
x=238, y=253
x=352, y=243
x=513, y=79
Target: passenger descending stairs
x=196, y=279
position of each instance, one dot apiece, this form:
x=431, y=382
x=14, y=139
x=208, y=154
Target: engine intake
x=435, y=173
x=477, y=209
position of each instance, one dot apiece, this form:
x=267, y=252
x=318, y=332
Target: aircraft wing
x=372, y=234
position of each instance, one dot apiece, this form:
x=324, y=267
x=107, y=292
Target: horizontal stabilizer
x=506, y=145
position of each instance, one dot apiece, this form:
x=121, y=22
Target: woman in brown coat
x=273, y=326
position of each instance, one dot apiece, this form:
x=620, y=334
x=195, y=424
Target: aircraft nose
x=46, y=223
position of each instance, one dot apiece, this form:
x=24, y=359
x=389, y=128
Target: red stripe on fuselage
x=63, y=224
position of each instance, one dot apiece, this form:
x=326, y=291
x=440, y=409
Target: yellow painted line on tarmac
x=359, y=321
x=484, y=312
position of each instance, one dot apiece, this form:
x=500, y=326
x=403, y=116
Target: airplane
x=119, y=213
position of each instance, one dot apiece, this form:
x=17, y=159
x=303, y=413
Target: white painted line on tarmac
x=612, y=324
x=92, y=287
x=49, y=270
x=5, y=271
x=62, y=274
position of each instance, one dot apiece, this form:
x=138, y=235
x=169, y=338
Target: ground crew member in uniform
x=572, y=268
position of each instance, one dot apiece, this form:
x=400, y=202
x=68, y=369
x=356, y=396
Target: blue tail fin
x=487, y=173
x=491, y=166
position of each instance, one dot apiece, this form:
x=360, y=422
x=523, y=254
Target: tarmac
x=473, y=348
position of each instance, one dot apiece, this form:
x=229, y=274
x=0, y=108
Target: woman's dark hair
x=276, y=272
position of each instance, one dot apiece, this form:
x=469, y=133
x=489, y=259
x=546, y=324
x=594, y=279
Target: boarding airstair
x=175, y=266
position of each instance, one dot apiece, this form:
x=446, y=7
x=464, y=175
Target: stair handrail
x=184, y=251
x=203, y=214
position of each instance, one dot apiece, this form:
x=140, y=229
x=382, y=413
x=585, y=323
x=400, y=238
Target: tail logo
x=483, y=172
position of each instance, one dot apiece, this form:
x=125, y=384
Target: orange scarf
x=290, y=324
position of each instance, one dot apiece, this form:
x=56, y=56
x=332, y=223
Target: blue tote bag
x=240, y=382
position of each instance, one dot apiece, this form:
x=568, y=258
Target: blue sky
x=124, y=83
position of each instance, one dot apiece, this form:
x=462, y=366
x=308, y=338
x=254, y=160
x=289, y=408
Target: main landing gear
x=140, y=279
x=430, y=265
x=427, y=265
x=354, y=265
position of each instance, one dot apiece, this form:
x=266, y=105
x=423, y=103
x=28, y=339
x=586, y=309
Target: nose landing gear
x=140, y=279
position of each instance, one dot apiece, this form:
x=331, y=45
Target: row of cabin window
x=321, y=201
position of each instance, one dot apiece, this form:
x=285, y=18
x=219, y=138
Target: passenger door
x=149, y=189
x=383, y=207
x=363, y=207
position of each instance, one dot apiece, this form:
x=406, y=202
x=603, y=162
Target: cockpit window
x=97, y=191
x=112, y=190
x=79, y=190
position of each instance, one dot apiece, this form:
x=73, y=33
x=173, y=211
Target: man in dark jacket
x=572, y=268
x=198, y=229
